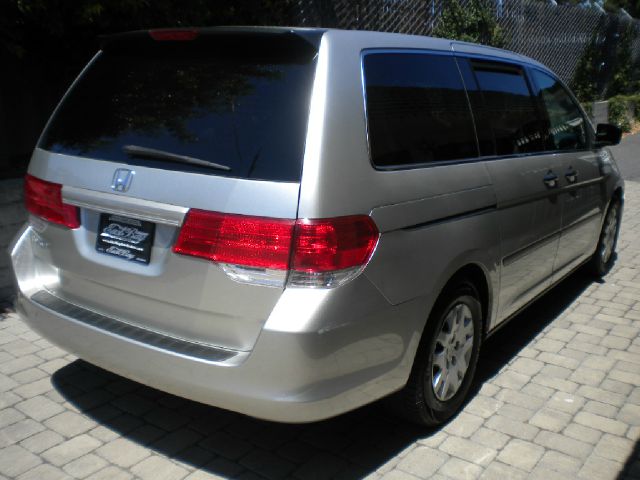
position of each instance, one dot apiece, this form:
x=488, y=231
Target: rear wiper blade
x=138, y=151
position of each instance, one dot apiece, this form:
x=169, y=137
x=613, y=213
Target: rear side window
x=238, y=105
x=566, y=129
x=417, y=109
x=509, y=108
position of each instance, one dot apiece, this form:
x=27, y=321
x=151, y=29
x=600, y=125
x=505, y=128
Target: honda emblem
x=122, y=179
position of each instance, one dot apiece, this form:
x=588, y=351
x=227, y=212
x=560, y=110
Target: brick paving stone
x=602, y=409
x=526, y=366
x=601, y=395
x=33, y=389
x=599, y=422
x=29, y=375
x=490, y=438
x=226, y=445
x=633, y=433
x=560, y=462
x=84, y=466
x=614, y=448
x=42, y=441
x=423, y=462
x=70, y=450
x=509, y=379
x=587, y=376
x=582, y=433
x=616, y=387
x=500, y=471
x=558, y=360
x=514, y=412
x=563, y=444
x=459, y=469
x=521, y=454
x=512, y=428
x=9, y=416
x=323, y=465
x=39, y=408
x=69, y=423
x=434, y=440
x=42, y=472
x=122, y=452
x=556, y=383
x=468, y=450
x=158, y=468
x=15, y=460
x=537, y=391
x=630, y=414
x=566, y=402
x=202, y=475
x=464, y=425
x=19, y=431
x=267, y=464
x=483, y=406
x=110, y=473
x=544, y=473
x=600, y=468
x=519, y=399
x=550, y=419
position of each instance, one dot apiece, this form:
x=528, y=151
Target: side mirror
x=607, y=134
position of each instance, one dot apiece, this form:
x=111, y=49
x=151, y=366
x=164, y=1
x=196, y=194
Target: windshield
x=240, y=108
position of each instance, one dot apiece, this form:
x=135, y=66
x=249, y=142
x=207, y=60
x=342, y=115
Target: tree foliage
x=472, y=22
x=36, y=27
x=585, y=79
x=631, y=6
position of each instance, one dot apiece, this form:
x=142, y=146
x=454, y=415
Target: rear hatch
x=160, y=124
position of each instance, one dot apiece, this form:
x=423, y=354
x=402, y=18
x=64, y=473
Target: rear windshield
x=237, y=107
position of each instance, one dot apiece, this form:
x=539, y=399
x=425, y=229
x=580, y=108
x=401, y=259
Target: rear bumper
x=309, y=362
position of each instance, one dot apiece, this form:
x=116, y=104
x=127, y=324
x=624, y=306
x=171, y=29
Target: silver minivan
x=292, y=223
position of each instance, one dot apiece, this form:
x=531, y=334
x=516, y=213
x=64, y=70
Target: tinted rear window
x=240, y=107
x=417, y=109
x=510, y=109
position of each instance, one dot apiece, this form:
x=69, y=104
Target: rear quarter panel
x=432, y=220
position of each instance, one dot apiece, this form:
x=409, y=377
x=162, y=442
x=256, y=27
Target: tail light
x=265, y=251
x=173, y=35
x=44, y=199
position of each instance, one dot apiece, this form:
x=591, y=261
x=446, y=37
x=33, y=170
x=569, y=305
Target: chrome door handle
x=550, y=179
x=571, y=175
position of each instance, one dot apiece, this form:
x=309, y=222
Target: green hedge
x=624, y=111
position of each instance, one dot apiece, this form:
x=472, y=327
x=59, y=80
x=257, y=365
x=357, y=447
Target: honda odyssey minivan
x=292, y=223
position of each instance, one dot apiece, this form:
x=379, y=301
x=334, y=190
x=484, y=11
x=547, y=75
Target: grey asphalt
x=627, y=155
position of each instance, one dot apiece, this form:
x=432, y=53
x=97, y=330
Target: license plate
x=126, y=238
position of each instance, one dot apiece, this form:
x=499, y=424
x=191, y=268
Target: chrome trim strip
x=116, y=327
x=123, y=205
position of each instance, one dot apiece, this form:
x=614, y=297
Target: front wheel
x=446, y=359
x=604, y=256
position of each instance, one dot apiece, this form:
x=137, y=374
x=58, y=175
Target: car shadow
x=227, y=444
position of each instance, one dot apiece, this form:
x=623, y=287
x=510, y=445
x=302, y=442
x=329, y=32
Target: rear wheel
x=446, y=359
x=603, y=258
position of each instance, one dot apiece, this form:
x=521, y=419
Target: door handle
x=571, y=175
x=550, y=179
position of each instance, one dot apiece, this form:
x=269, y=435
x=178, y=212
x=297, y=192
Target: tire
x=605, y=253
x=426, y=399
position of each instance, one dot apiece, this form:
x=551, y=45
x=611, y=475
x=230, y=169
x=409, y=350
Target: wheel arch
x=479, y=277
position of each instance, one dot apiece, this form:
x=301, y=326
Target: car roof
x=374, y=39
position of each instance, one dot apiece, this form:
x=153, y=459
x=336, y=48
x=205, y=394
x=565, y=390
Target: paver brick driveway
x=558, y=396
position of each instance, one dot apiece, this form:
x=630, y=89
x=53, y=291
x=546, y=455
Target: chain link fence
x=556, y=35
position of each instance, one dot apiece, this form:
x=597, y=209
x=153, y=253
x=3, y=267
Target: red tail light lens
x=237, y=239
x=312, y=249
x=44, y=199
x=173, y=35
x=333, y=244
